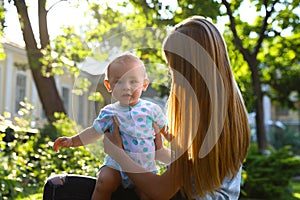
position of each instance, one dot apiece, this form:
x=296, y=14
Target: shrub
x=29, y=159
x=269, y=176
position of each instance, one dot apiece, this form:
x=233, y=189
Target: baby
x=126, y=79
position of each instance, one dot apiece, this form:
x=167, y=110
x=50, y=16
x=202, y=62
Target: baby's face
x=127, y=82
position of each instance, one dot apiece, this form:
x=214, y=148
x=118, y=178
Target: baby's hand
x=62, y=142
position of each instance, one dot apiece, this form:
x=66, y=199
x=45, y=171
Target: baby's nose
x=126, y=85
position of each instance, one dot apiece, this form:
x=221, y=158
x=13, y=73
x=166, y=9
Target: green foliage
x=96, y=96
x=278, y=65
x=29, y=159
x=65, y=126
x=269, y=176
x=81, y=86
x=67, y=51
x=282, y=70
x=295, y=184
x=188, y=8
x=121, y=26
x=241, y=72
x=9, y=186
x=16, y=148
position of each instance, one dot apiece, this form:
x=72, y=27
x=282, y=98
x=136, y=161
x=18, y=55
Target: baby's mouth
x=126, y=95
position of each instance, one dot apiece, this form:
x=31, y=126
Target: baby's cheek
x=137, y=93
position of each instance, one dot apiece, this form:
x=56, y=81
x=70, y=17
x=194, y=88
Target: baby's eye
x=133, y=81
x=119, y=82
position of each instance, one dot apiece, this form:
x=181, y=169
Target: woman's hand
x=146, y=181
x=113, y=140
x=113, y=146
x=162, y=153
x=158, y=139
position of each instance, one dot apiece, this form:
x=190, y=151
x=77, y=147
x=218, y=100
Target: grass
x=38, y=196
x=295, y=184
x=31, y=193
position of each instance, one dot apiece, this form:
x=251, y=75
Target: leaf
x=95, y=96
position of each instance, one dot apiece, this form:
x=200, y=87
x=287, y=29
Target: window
x=20, y=90
x=66, y=98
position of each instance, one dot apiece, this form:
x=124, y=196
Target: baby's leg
x=108, y=181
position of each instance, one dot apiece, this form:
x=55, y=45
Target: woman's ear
x=145, y=85
x=107, y=85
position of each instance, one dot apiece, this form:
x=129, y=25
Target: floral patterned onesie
x=135, y=125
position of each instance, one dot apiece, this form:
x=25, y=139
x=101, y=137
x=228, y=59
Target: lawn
x=295, y=184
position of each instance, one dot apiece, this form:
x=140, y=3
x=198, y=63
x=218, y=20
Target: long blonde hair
x=206, y=112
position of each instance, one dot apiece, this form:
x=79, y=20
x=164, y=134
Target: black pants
x=75, y=187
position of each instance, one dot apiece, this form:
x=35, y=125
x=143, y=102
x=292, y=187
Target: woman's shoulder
x=230, y=189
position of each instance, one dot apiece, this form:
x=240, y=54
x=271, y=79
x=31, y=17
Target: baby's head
x=122, y=61
x=126, y=78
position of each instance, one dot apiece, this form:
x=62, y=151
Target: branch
x=28, y=36
x=55, y=4
x=232, y=26
x=43, y=27
x=262, y=35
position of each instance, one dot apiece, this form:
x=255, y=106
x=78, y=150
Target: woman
x=207, y=119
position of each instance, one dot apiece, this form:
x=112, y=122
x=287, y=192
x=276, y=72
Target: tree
x=250, y=55
x=46, y=86
x=254, y=41
x=248, y=39
x=284, y=64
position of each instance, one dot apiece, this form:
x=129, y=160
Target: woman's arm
x=155, y=186
x=230, y=189
x=163, y=155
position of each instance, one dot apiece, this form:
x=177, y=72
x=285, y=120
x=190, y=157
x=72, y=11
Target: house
x=16, y=83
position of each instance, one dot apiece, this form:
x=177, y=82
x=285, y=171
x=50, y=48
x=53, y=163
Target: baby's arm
x=85, y=137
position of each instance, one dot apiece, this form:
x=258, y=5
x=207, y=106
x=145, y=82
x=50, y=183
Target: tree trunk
x=259, y=108
x=259, y=117
x=46, y=86
x=253, y=64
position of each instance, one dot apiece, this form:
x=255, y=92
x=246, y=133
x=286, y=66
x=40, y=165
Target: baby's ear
x=107, y=85
x=145, y=85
